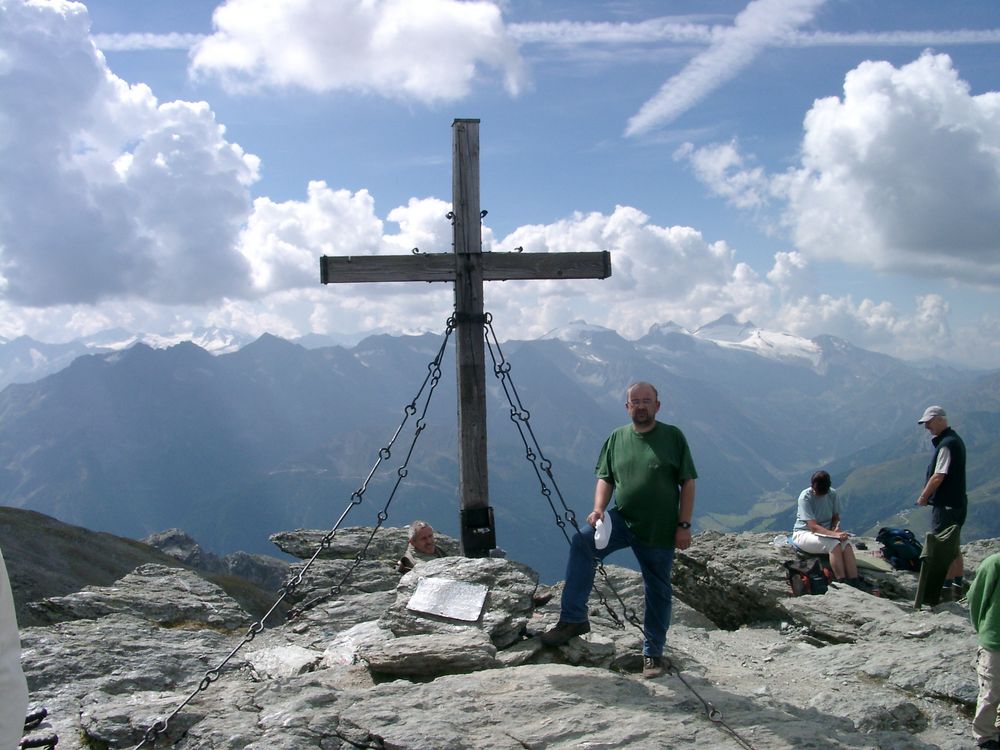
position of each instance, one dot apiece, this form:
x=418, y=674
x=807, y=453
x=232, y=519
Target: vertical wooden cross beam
x=476, y=516
x=467, y=267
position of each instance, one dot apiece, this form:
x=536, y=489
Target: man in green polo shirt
x=646, y=465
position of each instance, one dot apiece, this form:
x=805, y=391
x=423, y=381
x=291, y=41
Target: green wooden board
x=870, y=562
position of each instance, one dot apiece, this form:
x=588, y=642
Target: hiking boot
x=652, y=667
x=563, y=631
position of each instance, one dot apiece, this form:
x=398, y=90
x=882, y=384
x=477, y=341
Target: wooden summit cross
x=468, y=267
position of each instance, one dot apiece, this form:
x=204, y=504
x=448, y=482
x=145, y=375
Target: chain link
x=429, y=384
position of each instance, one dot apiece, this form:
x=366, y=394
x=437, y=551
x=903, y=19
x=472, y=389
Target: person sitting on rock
x=817, y=529
x=420, y=548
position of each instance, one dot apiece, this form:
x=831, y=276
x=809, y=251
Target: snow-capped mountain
x=728, y=332
x=213, y=340
x=578, y=330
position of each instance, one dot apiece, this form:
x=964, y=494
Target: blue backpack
x=900, y=548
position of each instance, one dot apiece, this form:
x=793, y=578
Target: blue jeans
x=654, y=562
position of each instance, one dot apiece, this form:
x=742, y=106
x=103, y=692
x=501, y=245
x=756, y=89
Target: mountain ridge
x=274, y=435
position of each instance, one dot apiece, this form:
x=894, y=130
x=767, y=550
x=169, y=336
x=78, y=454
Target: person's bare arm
x=602, y=496
x=930, y=488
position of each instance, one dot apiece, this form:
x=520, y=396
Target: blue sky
x=817, y=167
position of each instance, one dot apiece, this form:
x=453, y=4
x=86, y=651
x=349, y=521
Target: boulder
x=504, y=614
x=168, y=596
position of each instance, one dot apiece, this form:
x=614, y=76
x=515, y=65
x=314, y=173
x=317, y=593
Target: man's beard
x=642, y=418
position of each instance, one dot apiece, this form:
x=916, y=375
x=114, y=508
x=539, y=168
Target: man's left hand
x=682, y=538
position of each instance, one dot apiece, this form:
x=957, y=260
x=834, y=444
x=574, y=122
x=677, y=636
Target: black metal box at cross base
x=479, y=534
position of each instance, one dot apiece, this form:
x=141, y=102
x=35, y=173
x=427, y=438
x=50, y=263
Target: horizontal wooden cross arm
x=509, y=266
x=441, y=267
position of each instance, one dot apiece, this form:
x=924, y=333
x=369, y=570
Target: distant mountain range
x=25, y=360
x=272, y=435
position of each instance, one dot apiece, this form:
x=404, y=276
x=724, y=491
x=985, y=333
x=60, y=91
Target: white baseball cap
x=930, y=412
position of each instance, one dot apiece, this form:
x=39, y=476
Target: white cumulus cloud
x=902, y=174
x=728, y=173
x=432, y=50
x=106, y=192
x=659, y=274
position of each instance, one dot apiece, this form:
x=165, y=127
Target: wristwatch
x=683, y=525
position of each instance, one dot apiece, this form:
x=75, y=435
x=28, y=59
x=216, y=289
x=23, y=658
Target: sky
x=812, y=166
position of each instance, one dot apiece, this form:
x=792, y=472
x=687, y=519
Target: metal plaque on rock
x=444, y=597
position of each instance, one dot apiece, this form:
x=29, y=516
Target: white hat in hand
x=602, y=531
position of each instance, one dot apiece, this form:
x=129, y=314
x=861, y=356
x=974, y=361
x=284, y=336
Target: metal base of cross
x=479, y=534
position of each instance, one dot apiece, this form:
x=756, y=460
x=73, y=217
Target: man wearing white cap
x=944, y=490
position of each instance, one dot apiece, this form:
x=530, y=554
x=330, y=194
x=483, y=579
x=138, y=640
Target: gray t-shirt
x=818, y=508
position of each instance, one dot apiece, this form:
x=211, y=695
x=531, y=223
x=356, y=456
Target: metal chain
x=533, y=453
x=714, y=715
x=432, y=378
x=520, y=416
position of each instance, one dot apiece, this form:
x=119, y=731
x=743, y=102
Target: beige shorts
x=816, y=545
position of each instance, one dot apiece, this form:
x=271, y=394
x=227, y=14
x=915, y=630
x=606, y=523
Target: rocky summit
x=447, y=657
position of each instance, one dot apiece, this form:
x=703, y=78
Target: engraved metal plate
x=455, y=600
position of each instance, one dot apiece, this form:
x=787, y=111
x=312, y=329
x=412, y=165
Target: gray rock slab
x=322, y=623
x=117, y=655
x=169, y=596
x=347, y=647
x=506, y=611
x=431, y=655
x=348, y=542
x=282, y=661
x=341, y=577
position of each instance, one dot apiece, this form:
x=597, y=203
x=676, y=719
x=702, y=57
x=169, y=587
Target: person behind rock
x=817, y=529
x=13, y=688
x=944, y=489
x=647, y=466
x=420, y=548
x=984, y=611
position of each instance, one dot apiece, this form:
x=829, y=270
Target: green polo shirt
x=984, y=603
x=647, y=470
